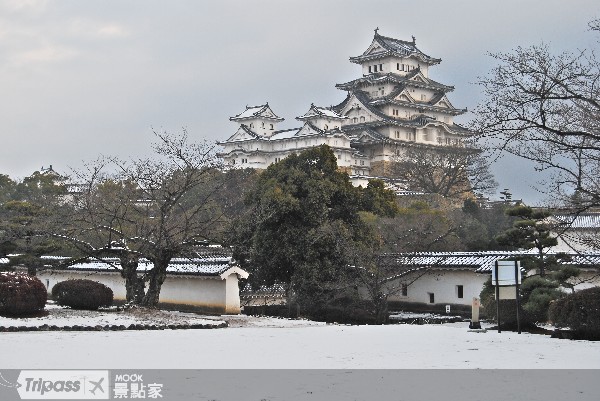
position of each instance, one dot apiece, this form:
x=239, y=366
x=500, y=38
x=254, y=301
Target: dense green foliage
x=82, y=294
x=579, y=312
x=537, y=293
x=303, y=227
x=29, y=211
x=538, y=290
x=529, y=231
x=21, y=294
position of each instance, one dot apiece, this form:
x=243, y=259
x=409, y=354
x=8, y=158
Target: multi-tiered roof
x=393, y=104
x=396, y=91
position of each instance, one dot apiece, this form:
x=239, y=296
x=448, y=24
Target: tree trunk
x=134, y=285
x=541, y=261
x=158, y=274
x=292, y=302
x=381, y=309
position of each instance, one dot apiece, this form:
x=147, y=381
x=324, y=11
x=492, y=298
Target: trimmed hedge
x=82, y=294
x=580, y=312
x=21, y=294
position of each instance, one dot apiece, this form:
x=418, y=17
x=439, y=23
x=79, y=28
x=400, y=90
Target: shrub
x=82, y=294
x=580, y=312
x=21, y=294
x=536, y=295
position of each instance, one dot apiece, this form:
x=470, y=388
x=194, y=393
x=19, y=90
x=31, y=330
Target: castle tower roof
x=320, y=112
x=383, y=46
x=262, y=112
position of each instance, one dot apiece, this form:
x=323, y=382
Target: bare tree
x=155, y=208
x=447, y=171
x=545, y=108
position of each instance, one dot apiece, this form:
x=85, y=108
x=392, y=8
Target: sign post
x=518, y=296
x=506, y=277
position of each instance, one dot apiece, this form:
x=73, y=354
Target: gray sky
x=84, y=78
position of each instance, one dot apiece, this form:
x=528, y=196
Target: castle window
x=362, y=119
x=271, y=126
x=362, y=162
x=263, y=125
x=380, y=67
x=397, y=134
x=395, y=112
x=422, y=97
x=459, y=291
x=370, y=69
x=375, y=68
x=404, y=290
x=355, y=120
x=327, y=127
x=251, y=125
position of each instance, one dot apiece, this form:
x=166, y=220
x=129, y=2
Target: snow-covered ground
x=269, y=343
x=62, y=317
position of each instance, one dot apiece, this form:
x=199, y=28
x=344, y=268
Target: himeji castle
x=393, y=105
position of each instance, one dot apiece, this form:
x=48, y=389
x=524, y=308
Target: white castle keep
x=393, y=105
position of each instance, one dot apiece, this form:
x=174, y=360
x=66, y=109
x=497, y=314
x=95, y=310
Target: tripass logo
x=63, y=384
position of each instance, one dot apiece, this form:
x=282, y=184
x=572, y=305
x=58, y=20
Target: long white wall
x=208, y=293
x=444, y=287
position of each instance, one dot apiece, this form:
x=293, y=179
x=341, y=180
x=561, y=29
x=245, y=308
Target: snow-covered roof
x=203, y=266
x=580, y=221
x=383, y=46
x=283, y=134
x=320, y=112
x=415, y=78
x=481, y=262
x=262, y=111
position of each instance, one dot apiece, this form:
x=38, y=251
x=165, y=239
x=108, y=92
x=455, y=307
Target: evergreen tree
x=303, y=225
x=528, y=232
x=531, y=231
x=29, y=216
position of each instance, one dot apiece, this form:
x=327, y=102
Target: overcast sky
x=84, y=78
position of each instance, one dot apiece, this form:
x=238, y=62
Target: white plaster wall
x=208, y=292
x=257, y=126
x=112, y=280
x=588, y=278
x=359, y=181
x=232, y=294
x=443, y=285
x=390, y=65
x=577, y=240
x=193, y=290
